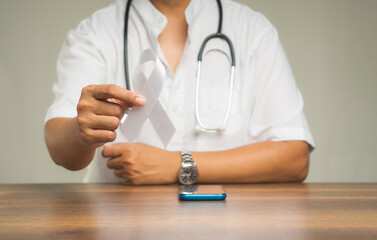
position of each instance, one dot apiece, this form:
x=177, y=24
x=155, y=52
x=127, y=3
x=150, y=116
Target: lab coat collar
x=191, y=13
x=154, y=19
x=193, y=10
x=157, y=21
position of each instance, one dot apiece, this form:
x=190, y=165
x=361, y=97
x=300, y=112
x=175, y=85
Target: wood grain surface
x=260, y=211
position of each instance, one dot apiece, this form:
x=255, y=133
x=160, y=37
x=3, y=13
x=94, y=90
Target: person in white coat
x=267, y=138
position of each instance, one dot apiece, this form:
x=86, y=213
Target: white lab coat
x=266, y=105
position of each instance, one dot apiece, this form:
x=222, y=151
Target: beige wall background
x=331, y=45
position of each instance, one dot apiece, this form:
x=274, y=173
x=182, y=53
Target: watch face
x=188, y=175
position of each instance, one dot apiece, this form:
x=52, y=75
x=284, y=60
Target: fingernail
x=140, y=101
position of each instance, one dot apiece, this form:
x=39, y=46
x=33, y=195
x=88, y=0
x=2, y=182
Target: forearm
x=62, y=137
x=261, y=162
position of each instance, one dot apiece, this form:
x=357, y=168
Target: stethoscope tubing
x=221, y=36
x=125, y=45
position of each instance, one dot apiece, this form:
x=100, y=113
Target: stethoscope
x=200, y=127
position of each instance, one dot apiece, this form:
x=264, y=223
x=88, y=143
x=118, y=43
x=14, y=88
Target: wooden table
x=262, y=211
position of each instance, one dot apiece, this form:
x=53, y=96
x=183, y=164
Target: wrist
x=174, y=160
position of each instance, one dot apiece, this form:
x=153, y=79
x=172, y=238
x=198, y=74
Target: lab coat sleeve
x=80, y=63
x=278, y=104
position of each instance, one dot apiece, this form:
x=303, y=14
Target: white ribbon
x=150, y=88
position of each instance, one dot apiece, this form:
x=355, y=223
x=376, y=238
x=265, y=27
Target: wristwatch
x=189, y=172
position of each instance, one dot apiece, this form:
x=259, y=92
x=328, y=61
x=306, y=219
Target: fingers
x=98, y=137
x=115, y=150
x=109, y=109
x=127, y=176
x=113, y=91
x=119, y=154
x=104, y=123
x=119, y=160
x=122, y=170
x=120, y=173
x=124, y=106
x=98, y=108
x=127, y=162
x=115, y=164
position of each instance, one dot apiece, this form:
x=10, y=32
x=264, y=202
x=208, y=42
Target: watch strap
x=186, y=157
